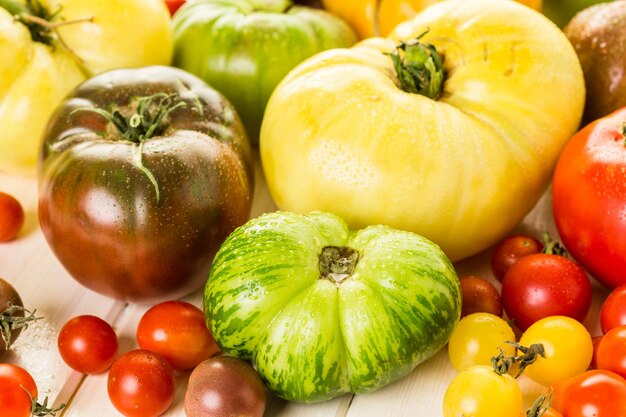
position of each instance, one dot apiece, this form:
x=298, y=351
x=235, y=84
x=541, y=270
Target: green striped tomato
x=321, y=310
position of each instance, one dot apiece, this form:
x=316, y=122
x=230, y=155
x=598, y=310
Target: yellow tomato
x=35, y=76
x=379, y=17
x=339, y=135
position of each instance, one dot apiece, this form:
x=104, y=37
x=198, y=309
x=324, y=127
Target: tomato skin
x=544, y=285
x=613, y=310
x=479, y=296
x=177, y=331
x=11, y=217
x=14, y=400
x=174, y=5
x=611, y=354
x=510, y=250
x=141, y=384
x=589, y=198
x=595, y=393
x=88, y=344
x=567, y=345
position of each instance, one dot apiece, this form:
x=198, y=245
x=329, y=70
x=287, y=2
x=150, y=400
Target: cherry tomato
x=14, y=400
x=595, y=393
x=479, y=296
x=543, y=285
x=613, y=311
x=480, y=392
x=174, y=5
x=510, y=250
x=611, y=353
x=567, y=345
x=594, y=359
x=11, y=217
x=141, y=384
x=177, y=331
x=88, y=344
x=476, y=338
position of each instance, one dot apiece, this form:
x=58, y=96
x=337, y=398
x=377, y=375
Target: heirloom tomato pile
x=293, y=201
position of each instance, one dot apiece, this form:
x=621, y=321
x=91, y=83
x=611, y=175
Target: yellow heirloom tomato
x=462, y=168
x=379, y=17
x=49, y=47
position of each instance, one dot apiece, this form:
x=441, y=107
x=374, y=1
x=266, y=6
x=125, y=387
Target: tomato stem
x=41, y=410
x=541, y=405
x=622, y=131
x=552, y=246
x=419, y=68
x=336, y=264
x=502, y=364
x=9, y=322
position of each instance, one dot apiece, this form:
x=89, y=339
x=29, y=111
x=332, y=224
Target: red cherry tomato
x=11, y=217
x=596, y=393
x=589, y=198
x=177, y=331
x=174, y=5
x=543, y=285
x=613, y=311
x=594, y=359
x=141, y=384
x=510, y=250
x=611, y=353
x=15, y=385
x=479, y=296
x=88, y=344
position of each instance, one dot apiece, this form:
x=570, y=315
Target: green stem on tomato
x=622, y=131
x=502, y=363
x=419, y=68
x=9, y=322
x=552, y=246
x=540, y=406
x=41, y=410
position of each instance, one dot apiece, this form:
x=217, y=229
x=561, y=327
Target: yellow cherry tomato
x=567, y=345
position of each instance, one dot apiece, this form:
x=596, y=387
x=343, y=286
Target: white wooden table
x=43, y=284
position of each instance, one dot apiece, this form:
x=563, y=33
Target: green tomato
x=322, y=311
x=562, y=11
x=244, y=48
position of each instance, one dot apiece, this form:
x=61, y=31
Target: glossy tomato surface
x=16, y=384
x=595, y=393
x=11, y=217
x=613, y=310
x=88, y=344
x=141, y=219
x=589, y=198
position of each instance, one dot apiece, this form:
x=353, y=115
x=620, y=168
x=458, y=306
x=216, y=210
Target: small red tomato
x=141, y=384
x=177, y=331
x=612, y=351
x=15, y=386
x=510, y=250
x=479, y=296
x=88, y=344
x=543, y=285
x=174, y=5
x=594, y=359
x=11, y=217
x=613, y=311
x=596, y=393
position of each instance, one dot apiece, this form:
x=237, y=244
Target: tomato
x=11, y=314
x=611, y=354
x=15, y=386
x=139, y=213
x=141, y=384
x=543, y=285
x=596, y=393
x=561, y=11
x=463, y=167
x=88, y=344
x=11, y=217
x=509, y=250
x=39, y=66
x=174, y=5
x=245, y=47
x=480, y=392
x=177, y=331
x=234, y=387
x=613, y=310
x=594, y=359
x=589, y=198
x=567, y=345
x=479, y=295
x=477, y=338
x=378, y=17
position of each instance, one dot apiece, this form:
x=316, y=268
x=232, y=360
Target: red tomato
x=594, y=359
x=611, y=353
x=14, y=400
x=613, y=311
x=174, y=5
x=596, y=393
x=543, y=285
x=479, y=296
x=141, y=384
x=589, y=198
x=510, y=250
x=88, y=344
x=11, y=217
x=177, y=331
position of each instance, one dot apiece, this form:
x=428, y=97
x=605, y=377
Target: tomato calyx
x=336, y=264
x=11, y=320
x=622, y=131
x=419, y=68
x=502, y=363
x=552, y=246
x=41, y=410
x=541, y=405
